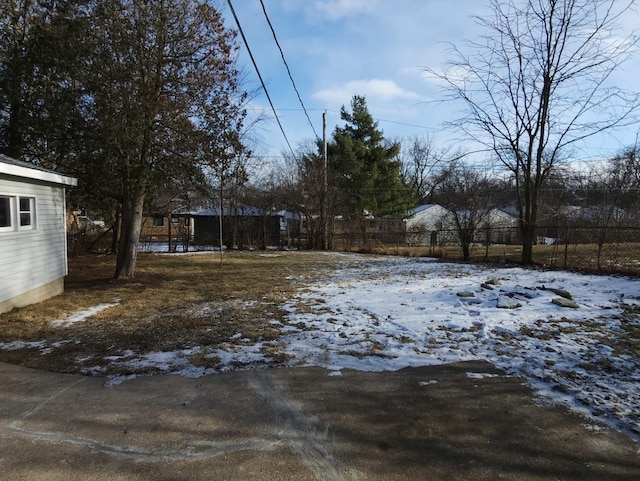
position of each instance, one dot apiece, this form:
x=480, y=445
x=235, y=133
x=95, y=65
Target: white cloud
x=337, y=9
x=458, y=75
x=377, y=89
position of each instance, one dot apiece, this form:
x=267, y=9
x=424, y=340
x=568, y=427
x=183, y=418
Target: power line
x=255, y=65
x=287, y=67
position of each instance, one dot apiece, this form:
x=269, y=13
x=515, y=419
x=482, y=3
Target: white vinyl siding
x=33, y=247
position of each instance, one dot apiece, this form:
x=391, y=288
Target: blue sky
x=375, y=48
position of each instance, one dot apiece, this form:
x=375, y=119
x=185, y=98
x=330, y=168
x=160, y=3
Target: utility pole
x=220, y=222
x=325, y=193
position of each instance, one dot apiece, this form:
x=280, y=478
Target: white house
x=33, y=240
x=432, y=224
x=500, y=227
x=425, y=223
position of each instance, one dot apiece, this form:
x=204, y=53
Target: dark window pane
x=5, y=212
x=25, y=204
x=25, y=218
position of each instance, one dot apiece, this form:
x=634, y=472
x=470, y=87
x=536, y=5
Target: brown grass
x=179, y=302
x=621, y=258
x=174, y=302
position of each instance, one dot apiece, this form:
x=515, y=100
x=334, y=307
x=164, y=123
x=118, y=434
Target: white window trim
x=32, y=213
x=14, y=207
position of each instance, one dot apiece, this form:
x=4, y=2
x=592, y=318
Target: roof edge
x=18, y=168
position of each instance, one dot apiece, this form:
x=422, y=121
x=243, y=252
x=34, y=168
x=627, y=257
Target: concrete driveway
x=465, y=421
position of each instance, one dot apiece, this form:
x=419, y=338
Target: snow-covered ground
x=386, y=313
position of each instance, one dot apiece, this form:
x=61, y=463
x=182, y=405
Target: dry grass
x=179, y=302
x=613, y=258
x=174, y=302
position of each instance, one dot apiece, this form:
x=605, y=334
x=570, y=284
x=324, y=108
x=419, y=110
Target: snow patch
x=82, y=316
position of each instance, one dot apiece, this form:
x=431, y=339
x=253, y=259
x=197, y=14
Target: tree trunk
x=528, y=237
x=466, y=236
x=129, y=234
x=362, y=223
x=116, y=230
x=170, y=233
x=466, y=251
x=15, y=147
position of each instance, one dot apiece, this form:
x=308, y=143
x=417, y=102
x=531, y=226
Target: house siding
x=33, y=260
x=425, y=227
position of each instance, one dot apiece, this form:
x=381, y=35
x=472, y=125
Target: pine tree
x=367, y=167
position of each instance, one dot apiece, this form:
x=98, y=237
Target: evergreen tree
x=368, y=171
x=40, y=42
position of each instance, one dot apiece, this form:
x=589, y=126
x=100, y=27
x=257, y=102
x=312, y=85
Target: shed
x=245, y=227
x=33, y=240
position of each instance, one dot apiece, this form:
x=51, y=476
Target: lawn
x=174, y=302
x=187, y=314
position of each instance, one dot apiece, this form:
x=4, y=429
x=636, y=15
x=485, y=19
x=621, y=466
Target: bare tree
x=301, y=186
x=421, y=160
x=539, y=82
x=156, y=69
x=467, y=194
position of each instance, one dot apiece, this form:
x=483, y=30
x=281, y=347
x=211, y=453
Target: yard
x=189, y=315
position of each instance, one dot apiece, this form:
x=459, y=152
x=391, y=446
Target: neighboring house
x=432, y=224
x=425, y=225
x=245, y=227
x=168, y=220
x=33, y=239
x=161, y=228
x=497, y=227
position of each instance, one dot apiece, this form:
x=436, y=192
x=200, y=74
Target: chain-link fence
x=592, y=248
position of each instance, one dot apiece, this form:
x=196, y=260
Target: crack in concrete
x=300, y=431
x=193, y=450
x=293, y=428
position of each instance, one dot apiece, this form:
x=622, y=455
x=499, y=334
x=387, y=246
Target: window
x=5, y=212
x=26, y=211
x=17, y=213
x=158, y=221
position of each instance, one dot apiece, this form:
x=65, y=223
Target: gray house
x=33, y=240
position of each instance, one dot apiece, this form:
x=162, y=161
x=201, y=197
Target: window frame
x=31, y=212
x=16, y=213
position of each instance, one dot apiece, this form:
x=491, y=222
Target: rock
x=486, y=286
x=559, y=292
x=506, y=302
x=493, y=282
x=564, y=302
x=466, y=294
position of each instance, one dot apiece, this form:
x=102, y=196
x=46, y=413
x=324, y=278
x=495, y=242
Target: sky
x=336, y=49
